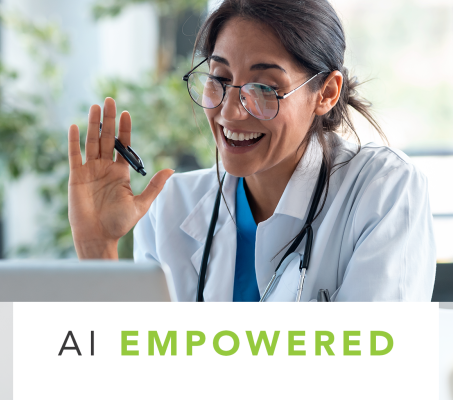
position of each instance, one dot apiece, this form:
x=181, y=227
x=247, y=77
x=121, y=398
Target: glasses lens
x=204, y=90
x=259, y=100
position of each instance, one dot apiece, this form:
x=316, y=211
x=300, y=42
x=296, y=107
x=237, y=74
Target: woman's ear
x=329, y=94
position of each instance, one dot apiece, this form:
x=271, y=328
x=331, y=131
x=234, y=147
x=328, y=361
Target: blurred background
x=445, y=351
x=59, y=57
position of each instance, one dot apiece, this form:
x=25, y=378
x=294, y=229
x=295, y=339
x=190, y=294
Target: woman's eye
x=268, y=88
x=220, y=78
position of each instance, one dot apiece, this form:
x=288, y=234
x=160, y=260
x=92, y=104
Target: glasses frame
x=225, y=85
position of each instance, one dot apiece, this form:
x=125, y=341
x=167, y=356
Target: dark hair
x=312, y=33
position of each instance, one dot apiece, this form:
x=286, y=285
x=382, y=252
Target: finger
x=108, y=129
x=92, y=140
x=155, y=185
x=124, y=134
x=74, y=154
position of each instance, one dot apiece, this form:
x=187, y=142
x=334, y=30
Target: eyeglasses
x=259, y=100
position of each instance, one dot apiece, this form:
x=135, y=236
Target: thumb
x=154, y=187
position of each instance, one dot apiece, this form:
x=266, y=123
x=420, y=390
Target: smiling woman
x=353, y=222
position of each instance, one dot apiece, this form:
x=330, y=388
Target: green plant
x=27, y=143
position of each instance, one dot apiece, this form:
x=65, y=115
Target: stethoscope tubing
x=306, y=230
x=207, y=248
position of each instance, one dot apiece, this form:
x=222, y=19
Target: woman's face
x=244, y=52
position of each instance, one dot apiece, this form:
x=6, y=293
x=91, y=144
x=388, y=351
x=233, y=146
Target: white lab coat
x=373, y=240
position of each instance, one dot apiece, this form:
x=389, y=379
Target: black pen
x=129, y=155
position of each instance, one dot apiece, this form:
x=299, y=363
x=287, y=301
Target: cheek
x=210, y=115
x=298, y=120
x=290, y=130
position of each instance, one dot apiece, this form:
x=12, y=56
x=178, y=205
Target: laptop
x=73, y=280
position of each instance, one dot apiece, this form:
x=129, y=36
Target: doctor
x=275, y=94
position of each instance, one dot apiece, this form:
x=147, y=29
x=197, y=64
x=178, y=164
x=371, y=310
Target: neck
x=264, y=189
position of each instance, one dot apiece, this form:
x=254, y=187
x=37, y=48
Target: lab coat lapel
x=274, y=234
x=222, y=257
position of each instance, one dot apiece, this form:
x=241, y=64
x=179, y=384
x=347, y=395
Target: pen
x=129, y=155
x=323, y=295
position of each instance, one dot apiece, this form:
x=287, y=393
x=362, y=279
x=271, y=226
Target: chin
x=235, y=169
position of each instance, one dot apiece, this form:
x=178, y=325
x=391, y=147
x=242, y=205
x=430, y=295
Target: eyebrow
x=263, y=66
x=254, y=67
x=219, y=59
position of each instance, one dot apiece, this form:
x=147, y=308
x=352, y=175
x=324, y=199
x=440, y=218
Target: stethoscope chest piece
x=279, y=272
x=300, y=285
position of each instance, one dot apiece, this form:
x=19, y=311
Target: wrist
x=96, y=249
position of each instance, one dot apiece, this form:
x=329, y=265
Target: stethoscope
x=290, y=255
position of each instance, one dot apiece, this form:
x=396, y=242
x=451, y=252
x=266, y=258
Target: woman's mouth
x=235, y=139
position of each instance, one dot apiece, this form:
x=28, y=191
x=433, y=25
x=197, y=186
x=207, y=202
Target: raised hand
x=102, y=207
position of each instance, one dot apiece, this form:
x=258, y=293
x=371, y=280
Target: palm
x=102, y=207
x=98, y=190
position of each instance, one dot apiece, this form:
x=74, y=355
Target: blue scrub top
x=245, y=285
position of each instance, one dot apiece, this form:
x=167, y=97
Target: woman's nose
x=232, y=109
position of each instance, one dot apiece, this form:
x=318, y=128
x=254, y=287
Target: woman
x=275, y=94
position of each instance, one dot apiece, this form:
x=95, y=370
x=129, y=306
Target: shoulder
x=383, y=184
x=372, y=162
x=189, y=187
x=376, y=179
x=197, y=179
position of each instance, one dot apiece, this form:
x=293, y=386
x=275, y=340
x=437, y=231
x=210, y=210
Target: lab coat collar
x=298, y=192
x=294, y=201
x=196, y=224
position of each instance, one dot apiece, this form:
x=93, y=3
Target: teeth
x=240, y=136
